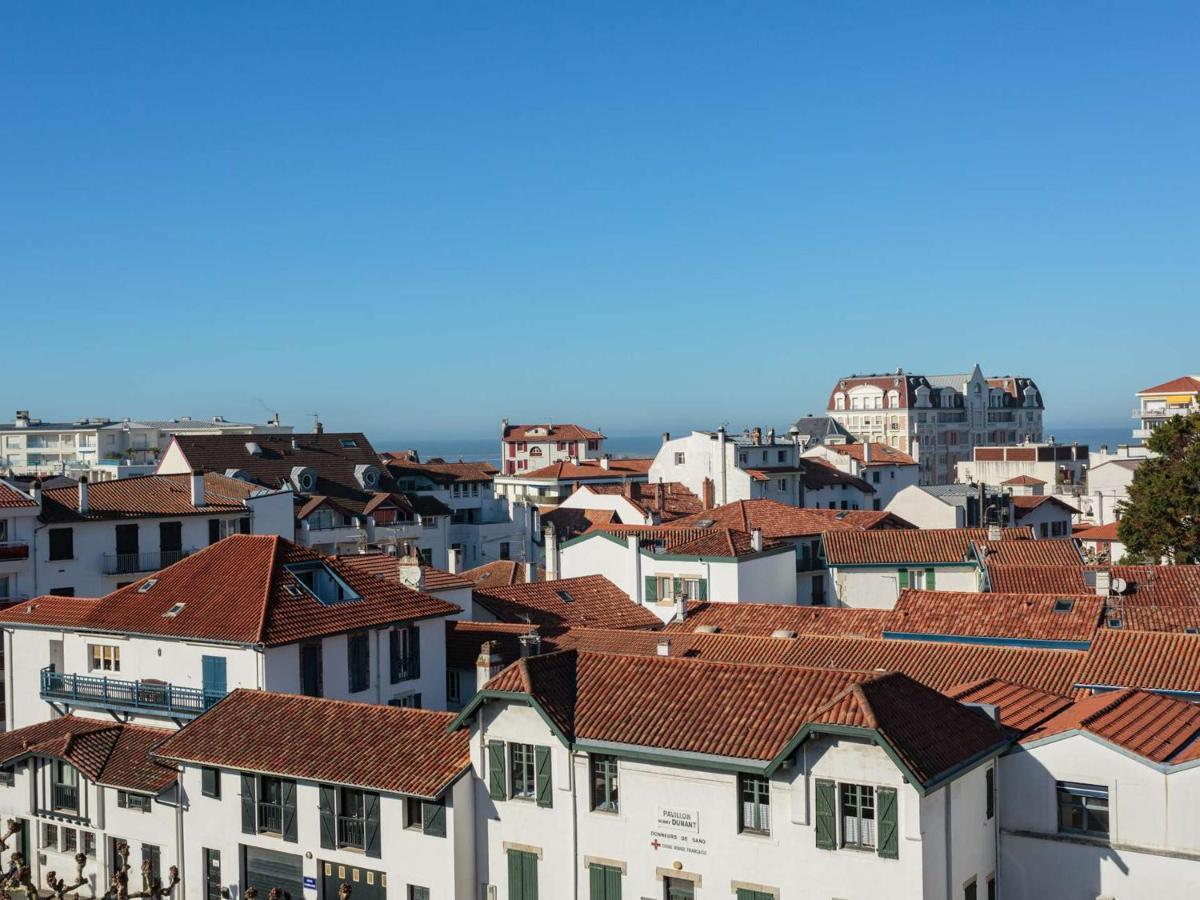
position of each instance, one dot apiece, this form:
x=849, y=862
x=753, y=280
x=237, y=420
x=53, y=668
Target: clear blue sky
x=418, y=218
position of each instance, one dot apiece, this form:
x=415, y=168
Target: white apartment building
x=1178, y=397
x=346, y=500
x=886, y=469
x=97, y=447
x=94, y=538
x=251, y=611
x=953, y=505
x=524, y=448
x=624, y=793
x=18, y=527
x=378, y=798
x=937, y=419
x=551, y=484
x=1061, y=467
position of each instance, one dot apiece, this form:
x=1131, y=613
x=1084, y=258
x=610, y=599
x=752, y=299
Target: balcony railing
x=154, y=697
x=351, y=831
x=149, y=561
x=14, y=550
x=65, y=797
x=1165, y=412
x=270, y=817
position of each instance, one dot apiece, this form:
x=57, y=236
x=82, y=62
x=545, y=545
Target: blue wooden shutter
x=371, y=825
x=496, y=780
x=826, y=818
x=249, y=804
x=889, y=844
x=288, y=792
x=541, y=757
x=326, y=807
x=213, y=676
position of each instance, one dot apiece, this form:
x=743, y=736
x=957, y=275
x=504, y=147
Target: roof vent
x=783, y=633
x=565, y=596
x=174, y=611
x=149, y=583
x=708, y=629
x=1063, y=605
x=253, y=448
x=664, y=647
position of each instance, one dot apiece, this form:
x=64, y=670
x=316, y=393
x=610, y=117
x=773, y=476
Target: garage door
x=265, y=869
x=366, y=884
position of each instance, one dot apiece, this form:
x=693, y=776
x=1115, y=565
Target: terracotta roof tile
x=716, y=543
x=1097, y=533
x=668, y=499
x=903, y=545
x=592, y=600
x=385, y=748
x=881, y=454
x=147, y=495
x=569, y=521
x=779, y=520
x=1185, y=384
x=439, y=471
x=464, y=638
x=1024, y=480
x=1155, y=661
x=1151, y=725
x=763, y=619
x=49, y=610
x=1020, y=708
x=1024, y=505
x=501, y=572
x=560, y=432
x=11, y=498
x=587, y=469
x=387, y=566
x=110, y=753
x=1027, y=617
x=238, y=590
x=819, y=474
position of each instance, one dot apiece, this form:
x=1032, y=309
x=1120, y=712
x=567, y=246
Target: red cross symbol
x=655, y=844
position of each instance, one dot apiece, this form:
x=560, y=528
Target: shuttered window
x=826, y=814
x=754, y=808
x=359, y=660
x=604, y=882
x=903, y=579
x=889, y=844
x=522, y=778
x=749, y=894
x=990, y=786
x=496, y=781
x=545, y=796
x=651, y=589
x=522, y=875
x=858, y=816
x=930, y=579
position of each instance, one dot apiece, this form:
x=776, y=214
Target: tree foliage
x=1161, y=519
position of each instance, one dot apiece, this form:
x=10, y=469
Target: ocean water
x=488, y=449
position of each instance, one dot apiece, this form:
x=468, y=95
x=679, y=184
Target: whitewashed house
x=77, y=785
x=376, y=798
x=18, y=528
x=524, y=448
x=660, y=566
x=885, y=468
x=95, y=538
x=953, y=505
x=250, y=611
x=659, y=779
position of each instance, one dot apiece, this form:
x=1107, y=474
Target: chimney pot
x=867, y=452
x=605, y=462
x=994, y=533
x=551, y=545
x=454, y=556
x=531, y=644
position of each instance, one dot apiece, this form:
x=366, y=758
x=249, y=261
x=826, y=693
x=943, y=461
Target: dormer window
x=322, y=583
x=174, y=611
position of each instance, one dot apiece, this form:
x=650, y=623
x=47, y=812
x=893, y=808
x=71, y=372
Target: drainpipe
x=179, y=853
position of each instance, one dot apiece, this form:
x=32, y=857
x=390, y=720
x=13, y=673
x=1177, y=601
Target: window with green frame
x=858, y=816
x=522, y=783
x=605, y=785
x=604, y=882
x=751, y=894
x=754, y=808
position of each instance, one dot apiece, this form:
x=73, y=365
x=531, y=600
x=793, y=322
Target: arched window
x=893, y=399
x=839, y=401
x=535, y=451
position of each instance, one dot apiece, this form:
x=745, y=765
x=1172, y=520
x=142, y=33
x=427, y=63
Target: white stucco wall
x=879, y=587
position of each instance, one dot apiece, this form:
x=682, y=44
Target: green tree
x=1161, y=519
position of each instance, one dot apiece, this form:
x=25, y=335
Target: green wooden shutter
x=326, y=805
x=433, y=819
x=288, y=794
x=605, y=882
x=930, y=579
x=676, y=587
x=543, y=780
x=612, y=883
x=371, y=839
x=496, y=780
x=516, y=876
x=826, y=809
x=703, y=592
x=747, y=894
x=990, y=785
x=249, y=805
x=903, y=579
x=889, y=845
x=651, y=589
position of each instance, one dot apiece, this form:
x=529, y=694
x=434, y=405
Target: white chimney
x=1103, y=582
x=83, y=495
x=408, y=567
x=35, y=491
x=530, y=573
x=994, y=533
x=454, y=564
x=604, y=462
x=635, y=568
x=756, y=540
x=664, y=647
x=551, y=542
x=487, y=665
x=867, y=452
x=197, y=488
x=680, y=609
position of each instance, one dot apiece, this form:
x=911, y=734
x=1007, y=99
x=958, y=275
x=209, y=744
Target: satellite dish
x=1119, y=585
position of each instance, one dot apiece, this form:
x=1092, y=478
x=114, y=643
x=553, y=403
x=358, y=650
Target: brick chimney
x=488, y=664
x=659, y=493
x=707, y=491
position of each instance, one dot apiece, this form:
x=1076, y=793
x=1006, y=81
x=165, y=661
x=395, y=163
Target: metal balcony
x=149, y=561
x=14, y=550
x=65, y=797
x=121, y=695
x=351, y=831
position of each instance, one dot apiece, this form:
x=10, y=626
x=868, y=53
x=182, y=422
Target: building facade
x=1178, y=397
x=524, y=448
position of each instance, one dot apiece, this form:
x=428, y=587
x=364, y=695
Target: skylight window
x=1115, y=622
x=174, y=611
x=321, y=582
x=1063, y=605
x=348, y=443
x=705, y=523
x=150, y=582
x=565, y=596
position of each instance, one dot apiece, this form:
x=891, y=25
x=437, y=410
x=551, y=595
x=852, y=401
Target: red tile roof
x=1151, y=725
x=1186, y=384
x=587, y=469
x=440, y=471
x=387, y=566
x=1102, y=533
x=1025, y=617
x=1020, y=708
x=238, y=590
x=1023, y=505
x=668, y=499
x=147, y=495
x=719, y=709
x=939, y=665
x=1023, y=480
x=903, y=545
x=763, y=619
x=109, y=753
x=819, y=474
x=590, y=601
x=569, y=522
x=1048, y=552
x=502, y=572
x=11, y=498
x=779, y=520
x=463, y=640
x=555, y=433
x=881, y=454
x=1155, y=661
x=715, y=543
x=1156, y=598
x=49, y=610
x=384, y=748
